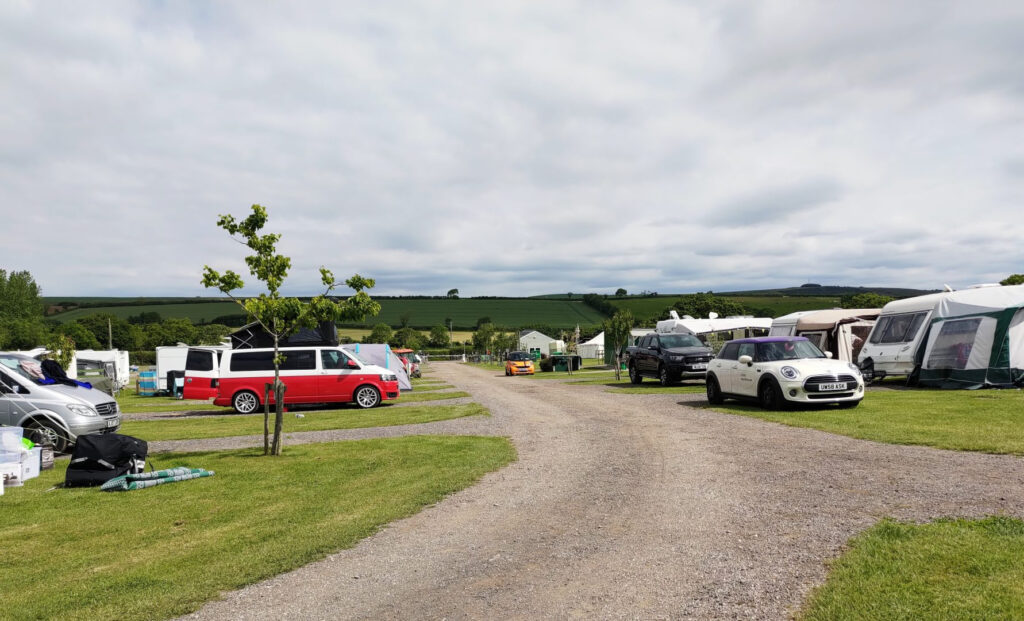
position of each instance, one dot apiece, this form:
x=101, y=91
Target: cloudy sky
x=514, y=148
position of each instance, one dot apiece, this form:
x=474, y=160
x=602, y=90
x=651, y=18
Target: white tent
x=594, y=348
x=382, y=356
x=975, y=339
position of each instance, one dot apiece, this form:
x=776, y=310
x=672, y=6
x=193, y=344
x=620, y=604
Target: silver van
x=60, y=413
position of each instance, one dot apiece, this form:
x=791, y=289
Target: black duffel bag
x=99, y=457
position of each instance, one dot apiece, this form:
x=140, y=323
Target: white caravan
x=892, y=345
x=841, y=331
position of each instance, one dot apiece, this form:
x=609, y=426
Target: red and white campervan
x=202, y=372
x=314, y=374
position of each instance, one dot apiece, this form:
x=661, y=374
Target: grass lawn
x=162, y=552
x=131, y=403
x=989, y=421
x=419, y=397
x=422, y=387
x=949, y=569
x=192, y=428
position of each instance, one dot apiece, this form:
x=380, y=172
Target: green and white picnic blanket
x=127, y=482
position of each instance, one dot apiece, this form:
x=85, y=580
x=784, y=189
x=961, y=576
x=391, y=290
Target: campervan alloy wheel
x=245, y=402
x=367, y=397
x=50, y=434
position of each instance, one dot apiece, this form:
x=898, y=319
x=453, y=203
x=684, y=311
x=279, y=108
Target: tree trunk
x=279, y=390
x=278, y=398
x=266, y=418
x=618, y=367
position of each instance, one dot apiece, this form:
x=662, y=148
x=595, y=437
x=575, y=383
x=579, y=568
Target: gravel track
x=628, y=506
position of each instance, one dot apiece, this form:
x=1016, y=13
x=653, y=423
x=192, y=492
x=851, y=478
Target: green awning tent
x=975, y=340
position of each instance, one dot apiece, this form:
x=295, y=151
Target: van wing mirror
x=352, y=364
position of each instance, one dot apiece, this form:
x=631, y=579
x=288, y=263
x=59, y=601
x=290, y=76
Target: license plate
x=112, y=422
x=830, y=387
x=699, y=366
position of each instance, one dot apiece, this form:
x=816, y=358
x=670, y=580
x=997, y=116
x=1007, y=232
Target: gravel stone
x=623, y=507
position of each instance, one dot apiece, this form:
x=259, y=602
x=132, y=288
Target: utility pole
x=110, y=336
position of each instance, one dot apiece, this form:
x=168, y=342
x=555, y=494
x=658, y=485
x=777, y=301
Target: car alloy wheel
x=770, y=395
x=663, y=376
x=245, y=402
x=634, y=375
x=367, y=397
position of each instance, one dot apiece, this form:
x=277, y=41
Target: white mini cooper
x=777, y=371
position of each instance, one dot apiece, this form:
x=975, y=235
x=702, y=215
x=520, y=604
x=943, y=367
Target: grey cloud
x=775, y=203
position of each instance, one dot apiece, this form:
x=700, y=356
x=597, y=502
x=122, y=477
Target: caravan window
x=953, y=345
x=781, y=331
x=898, y=328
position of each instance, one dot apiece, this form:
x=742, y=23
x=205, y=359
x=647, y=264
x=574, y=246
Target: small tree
x=439, y=337
x=483, y=337
x=620, y=292
x=617, y=333
x=62, y=349
x=865, y=300
x=453, y=294
x=1013, y=279
x=408, y=337
x=381, y=333
x=280, y=316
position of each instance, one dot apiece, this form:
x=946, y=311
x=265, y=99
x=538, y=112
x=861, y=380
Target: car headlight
x=854, y=368
x=388, y=377
x=82, y=410
x=790, y=373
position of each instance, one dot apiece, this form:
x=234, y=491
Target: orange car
x=519, y=363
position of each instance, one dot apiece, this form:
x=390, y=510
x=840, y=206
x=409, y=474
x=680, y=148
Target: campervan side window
x=952, y=348
x=252, y=361
x=299, y=360
x=781, y=331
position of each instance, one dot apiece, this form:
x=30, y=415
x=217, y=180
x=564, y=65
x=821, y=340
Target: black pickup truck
x=668, y=358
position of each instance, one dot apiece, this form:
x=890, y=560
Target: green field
x=779, y=305
x=419, y=312
x=200, y=312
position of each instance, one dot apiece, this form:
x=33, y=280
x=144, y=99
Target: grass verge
x=949, y=569
x=420, y=387
x=163, y=552
x=989, y=421
x=194, y=428
x=130, y=403
x=418, y=397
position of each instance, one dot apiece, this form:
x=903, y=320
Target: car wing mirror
x=828, y=354
x=747, y=360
